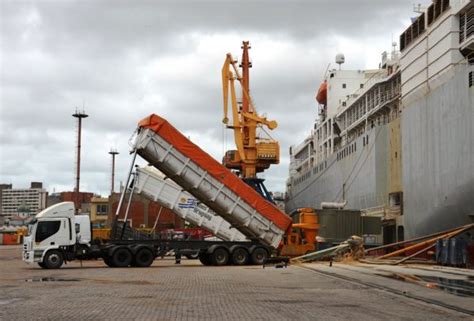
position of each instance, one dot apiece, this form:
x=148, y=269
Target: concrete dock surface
x=191, y=291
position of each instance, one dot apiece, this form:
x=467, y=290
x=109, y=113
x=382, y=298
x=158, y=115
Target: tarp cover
x=163, y=128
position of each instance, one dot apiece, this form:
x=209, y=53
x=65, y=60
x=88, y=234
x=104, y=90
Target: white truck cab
x=53, y=233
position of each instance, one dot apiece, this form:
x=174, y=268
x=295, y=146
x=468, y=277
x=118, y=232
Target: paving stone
x=191, y=291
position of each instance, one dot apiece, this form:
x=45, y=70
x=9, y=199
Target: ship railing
x=394, y=210
x=374, y=97
x=381, y=211
x=374, y=211
x=367, y=86
x=298, y=148
x=372, y=110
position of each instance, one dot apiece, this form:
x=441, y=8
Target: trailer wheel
x=220, y=256
x=122, y=257
x=143, y=258
x=240, y=256
x=205, y=259
x=53, y=260
x=259, y=256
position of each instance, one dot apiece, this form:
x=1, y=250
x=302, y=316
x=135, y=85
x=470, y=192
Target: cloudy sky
x=123, y=60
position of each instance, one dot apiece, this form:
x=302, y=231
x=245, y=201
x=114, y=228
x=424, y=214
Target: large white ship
x=398, y=141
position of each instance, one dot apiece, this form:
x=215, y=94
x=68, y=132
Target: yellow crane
x=254, y=154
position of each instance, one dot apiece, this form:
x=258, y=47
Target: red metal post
x=79, y=115
x=113, y=152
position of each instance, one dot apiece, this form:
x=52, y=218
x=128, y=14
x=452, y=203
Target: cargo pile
x=446, y=247
x=351, y=249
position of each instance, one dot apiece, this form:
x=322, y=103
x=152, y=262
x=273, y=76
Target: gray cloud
x=126, y=59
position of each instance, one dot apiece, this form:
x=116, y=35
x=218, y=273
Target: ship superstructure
x=397, y=142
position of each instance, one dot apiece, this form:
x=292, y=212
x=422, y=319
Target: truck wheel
x=220, y=257
x=204, y=259
x=259, y=256
x=240, y=256
x=122, y=257
x=108, y=261
x=143, y=258
x=41, y=264
x=53, y=260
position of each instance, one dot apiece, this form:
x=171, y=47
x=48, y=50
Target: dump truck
x=57, y=235
x=250, y=227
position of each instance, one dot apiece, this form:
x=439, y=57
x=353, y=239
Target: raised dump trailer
x=169, y=195
x=165, y=148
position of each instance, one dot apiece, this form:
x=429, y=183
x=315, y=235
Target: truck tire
x=122, y=257
x=108, y=261
x=259, y=256
x=41, y=264
x=205, y=259
x=143, y=258
x=53, y=259
x=240, y=256
x=220, y=256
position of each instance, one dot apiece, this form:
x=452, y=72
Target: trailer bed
x=165, y=148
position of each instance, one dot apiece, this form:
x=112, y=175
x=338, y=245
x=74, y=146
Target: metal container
x=439, y=250
x=442, y=251
x=339, y=225
x=457, y=252
x=10, y=239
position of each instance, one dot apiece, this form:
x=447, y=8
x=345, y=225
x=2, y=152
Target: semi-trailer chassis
x=56, y=236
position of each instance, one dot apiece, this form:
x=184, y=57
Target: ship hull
x=356, y=177
x=438, y=156
x=436, y=172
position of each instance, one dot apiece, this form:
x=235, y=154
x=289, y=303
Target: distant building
x=83, y=202
x=2, y=187
x=143, y=213
x=23, y=202
x=84, y=199
x=36, y=185
x=18, y=220
x=99, y=207
x=53, y=198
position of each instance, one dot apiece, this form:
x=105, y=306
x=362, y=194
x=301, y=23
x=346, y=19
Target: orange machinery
x=302, y=238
